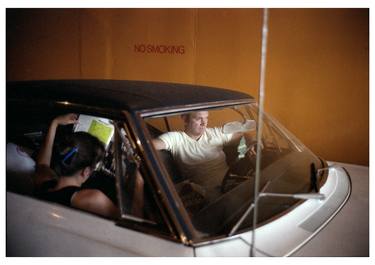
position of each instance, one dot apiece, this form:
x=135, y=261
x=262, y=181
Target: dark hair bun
x=78, y=151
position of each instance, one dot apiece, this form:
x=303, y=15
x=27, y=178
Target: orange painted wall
x=42, y=44
x=317, y=69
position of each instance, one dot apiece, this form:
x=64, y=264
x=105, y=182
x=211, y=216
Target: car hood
x=289, y=233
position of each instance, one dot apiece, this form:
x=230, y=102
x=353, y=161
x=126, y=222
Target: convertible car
x=299, y=192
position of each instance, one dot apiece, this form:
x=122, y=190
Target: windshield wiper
x=246, y=213
x=303, y=196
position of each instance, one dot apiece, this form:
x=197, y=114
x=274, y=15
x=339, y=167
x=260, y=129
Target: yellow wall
x=317, y=69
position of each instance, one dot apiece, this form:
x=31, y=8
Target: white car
x=299, y=193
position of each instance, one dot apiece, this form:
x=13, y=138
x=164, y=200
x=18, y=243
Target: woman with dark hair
x=78, y=156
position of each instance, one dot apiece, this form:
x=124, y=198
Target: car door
x=40, y=228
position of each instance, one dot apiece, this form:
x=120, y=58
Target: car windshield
x=210, y=156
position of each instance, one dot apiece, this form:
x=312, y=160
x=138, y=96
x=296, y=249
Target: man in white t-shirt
x=198, y=150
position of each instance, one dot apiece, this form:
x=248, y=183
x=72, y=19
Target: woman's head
x=78, y=151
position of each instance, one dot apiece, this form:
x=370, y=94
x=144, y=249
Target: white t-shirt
x=203, y=160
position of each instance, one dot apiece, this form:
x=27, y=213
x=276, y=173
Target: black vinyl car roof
x=122, y=94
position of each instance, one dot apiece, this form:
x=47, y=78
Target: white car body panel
x=285, y=235
x=38, y=228
x=347, y=234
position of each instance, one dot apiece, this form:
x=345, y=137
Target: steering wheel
x=242, y=169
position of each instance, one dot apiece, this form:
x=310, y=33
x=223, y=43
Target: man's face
x=196, y=122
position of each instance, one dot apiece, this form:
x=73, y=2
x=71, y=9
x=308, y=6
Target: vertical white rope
x=260, y=125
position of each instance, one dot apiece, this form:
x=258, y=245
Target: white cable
x=260, y=124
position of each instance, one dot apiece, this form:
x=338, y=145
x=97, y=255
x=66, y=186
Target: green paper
x=100, y=130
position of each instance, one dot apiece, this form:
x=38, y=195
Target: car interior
x=217, y=213
x=25, y=136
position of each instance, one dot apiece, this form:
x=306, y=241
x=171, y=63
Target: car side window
x=136, y=197
x=130, y=190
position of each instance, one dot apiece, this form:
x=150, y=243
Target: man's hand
x=252, y=147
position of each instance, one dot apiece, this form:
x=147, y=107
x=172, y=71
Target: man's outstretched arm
x=158, y=144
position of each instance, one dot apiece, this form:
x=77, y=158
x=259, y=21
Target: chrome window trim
x=176, y=198
x=126, y=218
x=177, y=109
x=183, y=235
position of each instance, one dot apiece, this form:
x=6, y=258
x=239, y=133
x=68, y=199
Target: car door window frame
x=164, y=229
